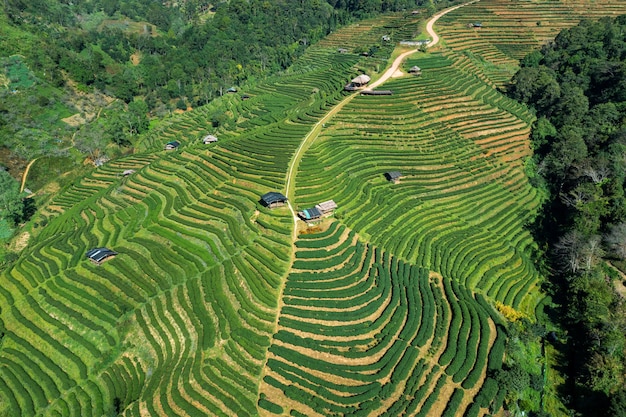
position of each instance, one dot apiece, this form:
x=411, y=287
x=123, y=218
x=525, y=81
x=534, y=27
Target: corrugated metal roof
x=100, y=254
x=273, y=197
x=392, y=175
x=326, y=206
x=311, y=213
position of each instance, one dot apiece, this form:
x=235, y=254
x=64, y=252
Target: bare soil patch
x=20, y=242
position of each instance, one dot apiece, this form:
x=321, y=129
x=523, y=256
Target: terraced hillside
x=461, y=207
x=210, y=309
x=370, y=32
x=512, y=29
x=363, y=333
x=178, y=323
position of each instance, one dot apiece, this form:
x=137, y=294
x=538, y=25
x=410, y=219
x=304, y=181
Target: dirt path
x=25, y=174
x=431, y=22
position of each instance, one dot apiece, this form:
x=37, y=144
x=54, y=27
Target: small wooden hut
x=99, y=255
x=310, y=214
x=358, y=83
x=326, y=207
x=169, y=146
x=376, y=92
x=393, y=176
x=273, y=199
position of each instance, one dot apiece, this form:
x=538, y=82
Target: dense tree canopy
x=577, y=85
x=11, y=203
x=195, y=51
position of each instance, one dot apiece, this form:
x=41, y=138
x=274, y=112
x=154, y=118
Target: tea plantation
x=210, y=307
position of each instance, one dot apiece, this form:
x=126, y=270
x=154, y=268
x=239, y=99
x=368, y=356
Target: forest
x=577, y=86
x=182, y=55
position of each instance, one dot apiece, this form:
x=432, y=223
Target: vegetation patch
x=17, y=76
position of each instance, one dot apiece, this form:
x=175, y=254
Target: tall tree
x=11, y=200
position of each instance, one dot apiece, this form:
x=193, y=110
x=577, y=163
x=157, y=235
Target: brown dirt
x=20, y=242
x=135, y=58
x=13, y=163
x=79, y=119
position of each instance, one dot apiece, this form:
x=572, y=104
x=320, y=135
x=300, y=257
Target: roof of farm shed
x=273, y=197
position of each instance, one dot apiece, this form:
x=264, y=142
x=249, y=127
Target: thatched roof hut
x=361, y=80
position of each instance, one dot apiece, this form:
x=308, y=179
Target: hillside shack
x=209, y=139
x=376, y=92
x=245, y=97
x=231, y=90
x=415, y=70
x=310, y=214
x=358, y=83
x=128, y=172
x=386, y=38
x=273, y=199
x=169, y=146
x=99, y=255
x=393, y=176
x=475, y=25
x=326, y=207
x=342, y=50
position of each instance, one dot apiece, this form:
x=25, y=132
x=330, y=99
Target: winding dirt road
x=317, y=127
x=435, y=40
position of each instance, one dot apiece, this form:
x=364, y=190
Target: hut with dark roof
x=172, y=145
x=310, y=214
x=393, y=176
x=99, y=255
x=376, y=92
x=273, y=199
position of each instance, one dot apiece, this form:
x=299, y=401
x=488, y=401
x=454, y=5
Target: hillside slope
x=210, y=309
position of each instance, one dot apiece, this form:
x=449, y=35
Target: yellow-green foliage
x=509, y=312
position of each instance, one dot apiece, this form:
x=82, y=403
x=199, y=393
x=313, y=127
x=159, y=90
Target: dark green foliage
x=576, y=85
x=270, y=406
x=11, y=200
x=618, y=404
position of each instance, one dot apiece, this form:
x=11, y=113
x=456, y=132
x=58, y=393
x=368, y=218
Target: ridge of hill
x=190, y=318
